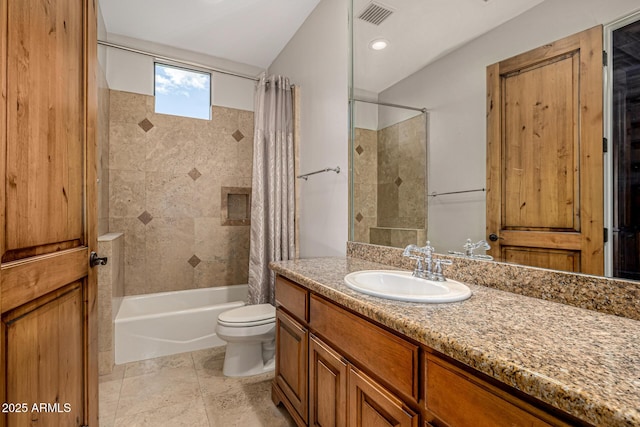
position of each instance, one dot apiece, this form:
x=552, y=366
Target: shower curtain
x=272, y=189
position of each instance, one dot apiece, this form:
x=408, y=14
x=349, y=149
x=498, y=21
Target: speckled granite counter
x=583, y=362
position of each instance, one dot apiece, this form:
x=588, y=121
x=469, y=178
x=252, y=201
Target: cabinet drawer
x=392, y=359
x=459, y=398
x=292, y=298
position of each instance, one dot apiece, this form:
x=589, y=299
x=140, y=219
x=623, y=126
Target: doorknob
x=493, y=237
x=94, y=260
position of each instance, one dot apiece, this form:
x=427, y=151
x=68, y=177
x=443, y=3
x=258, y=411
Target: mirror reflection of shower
x=389, y=167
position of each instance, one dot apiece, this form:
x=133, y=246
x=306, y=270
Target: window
x=182, y=92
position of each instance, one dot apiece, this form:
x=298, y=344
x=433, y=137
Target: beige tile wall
x=365, y=178
x=165, y=179
x=110, y=293
x=103, y=153
x=402, y=174
x=389, y=183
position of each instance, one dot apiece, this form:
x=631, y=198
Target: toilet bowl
x=250, y=333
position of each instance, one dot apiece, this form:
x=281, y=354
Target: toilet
x=250, y=333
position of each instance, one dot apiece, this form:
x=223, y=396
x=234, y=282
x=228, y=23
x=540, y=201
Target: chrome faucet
x=469, y=247
x=426, y=266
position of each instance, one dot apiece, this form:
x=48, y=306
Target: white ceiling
x=254, y=32
x=251, y=32
x=421, y=31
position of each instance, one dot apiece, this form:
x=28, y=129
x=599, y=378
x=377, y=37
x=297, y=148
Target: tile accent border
x=606, y=295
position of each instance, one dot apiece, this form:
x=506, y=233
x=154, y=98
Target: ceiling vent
x=375, y=13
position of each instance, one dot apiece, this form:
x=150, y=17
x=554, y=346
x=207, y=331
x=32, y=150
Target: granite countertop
x=583, y=362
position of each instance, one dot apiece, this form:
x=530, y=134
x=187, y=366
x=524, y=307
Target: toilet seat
x=249, y=315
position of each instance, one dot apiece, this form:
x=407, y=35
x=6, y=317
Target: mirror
x=389, y=174
x=436, y=58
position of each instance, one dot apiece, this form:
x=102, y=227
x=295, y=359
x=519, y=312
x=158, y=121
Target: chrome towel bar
x=306, y=175
x=434, y=194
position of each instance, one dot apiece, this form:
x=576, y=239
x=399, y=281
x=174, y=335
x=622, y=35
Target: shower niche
x=235, y=206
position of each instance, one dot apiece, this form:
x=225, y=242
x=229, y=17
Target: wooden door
x=544, y=156
x=370, y=405
x=48, y=342
x=292, y=361
x=327, y=386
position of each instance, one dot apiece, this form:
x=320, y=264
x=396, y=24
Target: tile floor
x=187, y=390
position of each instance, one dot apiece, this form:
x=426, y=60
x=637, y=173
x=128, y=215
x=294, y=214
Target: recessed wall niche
x=235, y=206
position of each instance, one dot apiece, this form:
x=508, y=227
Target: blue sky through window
x=182, y=92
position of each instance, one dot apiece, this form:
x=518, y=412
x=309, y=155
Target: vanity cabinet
x=337, y=368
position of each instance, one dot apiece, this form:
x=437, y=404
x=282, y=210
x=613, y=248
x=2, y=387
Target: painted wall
x=453, y=89
x=316, y=60
x=133, y=72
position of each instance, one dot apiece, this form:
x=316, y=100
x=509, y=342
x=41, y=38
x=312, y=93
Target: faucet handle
x=438, y=275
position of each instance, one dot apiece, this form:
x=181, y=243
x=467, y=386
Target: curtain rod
x=386, y=104
x=177, y=61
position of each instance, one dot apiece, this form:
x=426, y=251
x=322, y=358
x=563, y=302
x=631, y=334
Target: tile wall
x=103, y=153
x=110, y=292
x=389, y=183
x=165, y=179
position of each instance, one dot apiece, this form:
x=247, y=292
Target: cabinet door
x=327, y=386
x=292, y=361
x=370, y=405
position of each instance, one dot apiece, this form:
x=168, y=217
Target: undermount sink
x=402, y=286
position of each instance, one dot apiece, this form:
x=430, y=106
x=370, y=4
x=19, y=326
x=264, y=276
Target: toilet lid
x=258, y=313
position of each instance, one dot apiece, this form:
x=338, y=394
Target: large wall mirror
x=419, y=116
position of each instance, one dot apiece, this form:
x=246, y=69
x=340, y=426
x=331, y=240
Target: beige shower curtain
x=272, y=189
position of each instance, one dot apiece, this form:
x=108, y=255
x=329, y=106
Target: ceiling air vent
x=375, y=13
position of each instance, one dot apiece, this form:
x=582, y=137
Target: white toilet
x=250, y=333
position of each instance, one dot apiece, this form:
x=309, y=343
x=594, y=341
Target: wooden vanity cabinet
x=335, y=368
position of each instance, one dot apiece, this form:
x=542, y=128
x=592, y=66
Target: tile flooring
x=187, y=390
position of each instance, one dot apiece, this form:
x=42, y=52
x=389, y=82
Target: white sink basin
x=402, y=286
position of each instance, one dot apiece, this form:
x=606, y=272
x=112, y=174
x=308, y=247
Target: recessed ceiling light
x=378, y=44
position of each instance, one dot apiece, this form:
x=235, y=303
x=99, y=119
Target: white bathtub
x=161, y=324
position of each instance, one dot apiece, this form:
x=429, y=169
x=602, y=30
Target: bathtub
x=161, y=324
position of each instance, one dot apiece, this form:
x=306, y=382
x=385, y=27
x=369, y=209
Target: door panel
x=45, y=170
x=544, y=155
x=45, y=360
x=48, y=342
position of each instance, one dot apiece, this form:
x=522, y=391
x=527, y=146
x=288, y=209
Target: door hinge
x=605, y=145
x=605, y=237
x=605, y=58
